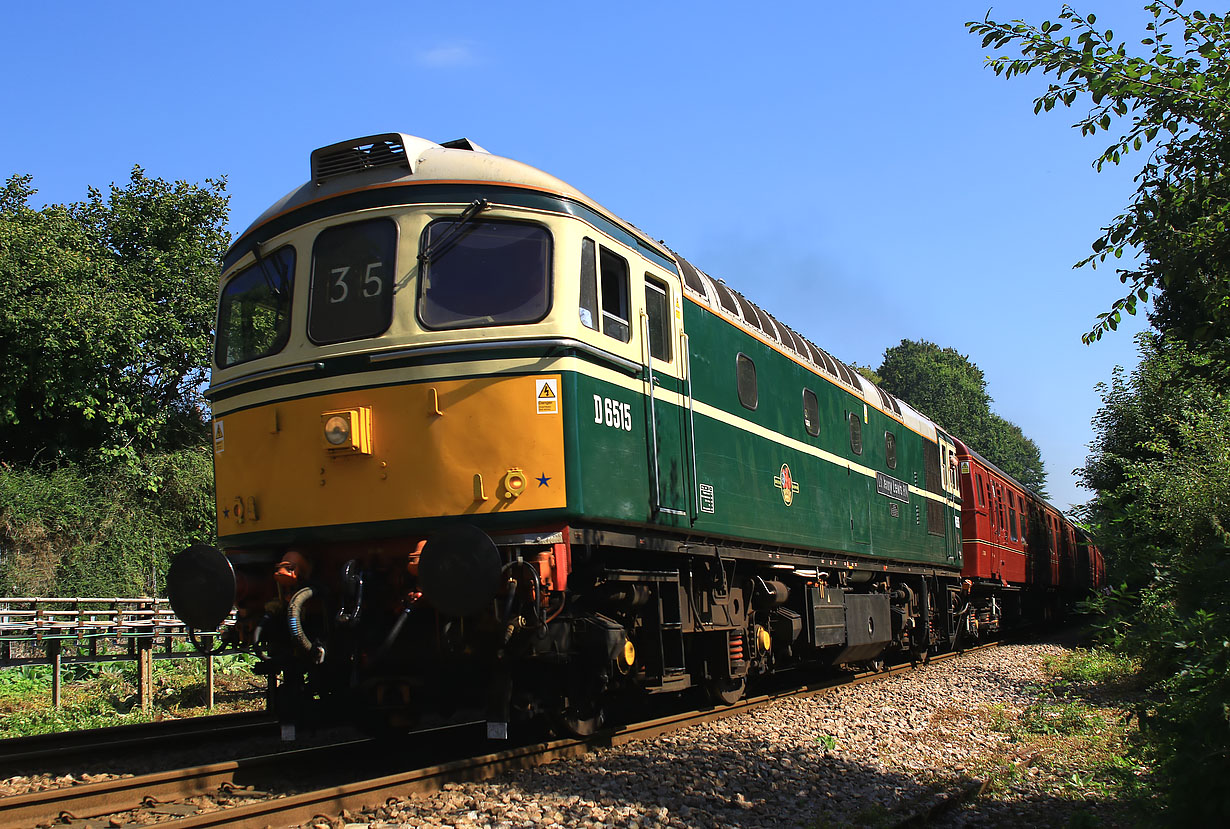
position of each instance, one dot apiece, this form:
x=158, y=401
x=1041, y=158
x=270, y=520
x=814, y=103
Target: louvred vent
x=363, y=154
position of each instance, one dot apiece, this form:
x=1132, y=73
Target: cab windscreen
x=484, y=273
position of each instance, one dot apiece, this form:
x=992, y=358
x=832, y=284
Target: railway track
x=295, y=786
x=19, y=754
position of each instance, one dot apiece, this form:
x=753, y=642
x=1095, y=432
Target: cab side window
x=657, y=306
x=616, y=314
x=589, y=284
x=890, y=449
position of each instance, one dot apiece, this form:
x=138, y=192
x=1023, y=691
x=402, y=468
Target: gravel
x=875, y=754
x=879, y=754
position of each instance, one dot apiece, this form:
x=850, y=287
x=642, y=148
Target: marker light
x=513, y=483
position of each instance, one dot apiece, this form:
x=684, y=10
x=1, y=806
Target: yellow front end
x=389, y=454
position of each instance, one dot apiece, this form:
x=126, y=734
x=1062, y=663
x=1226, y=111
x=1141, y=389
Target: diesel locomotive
x=479, y=442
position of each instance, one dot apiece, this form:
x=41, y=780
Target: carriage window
x=1012, y=522
x=484, y=273
x=890, y=449
x=745, y=379
x=254, y=310
x=856, y=434
x=614, y=294
x=658, y=309
x=589, y=285
x=811, y=412
x=982, y=501
x=352, y=281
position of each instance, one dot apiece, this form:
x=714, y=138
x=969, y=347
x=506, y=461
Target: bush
x=1162, y=514
x=74, y=530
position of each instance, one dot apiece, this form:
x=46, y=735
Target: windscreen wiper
x=276, y=289
x=446, y=242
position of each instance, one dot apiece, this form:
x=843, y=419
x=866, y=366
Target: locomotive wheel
x=727, y=690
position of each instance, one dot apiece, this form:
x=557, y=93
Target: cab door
x=667, y=396
x=952, y=492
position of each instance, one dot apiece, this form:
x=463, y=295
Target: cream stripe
x=714, y=413
x=434, y=371
x=403, y=374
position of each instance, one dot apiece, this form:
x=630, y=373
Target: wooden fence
x=67, y=631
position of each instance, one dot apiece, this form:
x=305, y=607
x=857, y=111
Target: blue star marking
x=542, y=479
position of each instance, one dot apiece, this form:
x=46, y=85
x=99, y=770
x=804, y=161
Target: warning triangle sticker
x=546, y=393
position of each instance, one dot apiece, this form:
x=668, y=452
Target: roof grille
x=351, y=157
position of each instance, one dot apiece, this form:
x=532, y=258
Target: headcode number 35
x=613, y=413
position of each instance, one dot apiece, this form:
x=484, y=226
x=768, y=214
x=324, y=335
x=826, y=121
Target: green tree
x=1008, y=448
x=1174, y=92
x=1162, y=513
x=868, y=372
x=941, y=383
x=1161, y=509
x=945, y=386
x=105, y=328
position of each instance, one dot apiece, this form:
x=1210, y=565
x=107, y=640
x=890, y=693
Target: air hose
x=294, y=621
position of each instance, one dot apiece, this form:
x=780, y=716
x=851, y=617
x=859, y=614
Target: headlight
x=337, y=430
x=347, y=431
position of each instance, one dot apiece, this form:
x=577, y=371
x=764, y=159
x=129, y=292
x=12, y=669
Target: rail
x=60, y=631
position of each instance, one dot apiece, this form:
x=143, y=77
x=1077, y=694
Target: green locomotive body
x=478, y=438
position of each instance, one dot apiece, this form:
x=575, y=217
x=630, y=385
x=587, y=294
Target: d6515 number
x=612, y=413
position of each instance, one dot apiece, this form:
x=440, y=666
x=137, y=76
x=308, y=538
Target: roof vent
x=463, y=144
x=360, y=154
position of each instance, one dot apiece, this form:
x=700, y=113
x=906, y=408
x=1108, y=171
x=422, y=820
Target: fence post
x=145, y=671
x=209, y=672
x=53, y=654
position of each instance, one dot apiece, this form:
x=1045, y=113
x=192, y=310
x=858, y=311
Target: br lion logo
x=786, y=484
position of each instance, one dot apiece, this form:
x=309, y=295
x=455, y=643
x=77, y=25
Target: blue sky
x=859, y=174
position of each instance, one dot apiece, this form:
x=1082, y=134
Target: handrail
x=647, y=351
x=686, y=363
x=630, y=366
x=298, y=368
x=622, y=363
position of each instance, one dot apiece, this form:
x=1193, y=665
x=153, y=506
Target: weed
x=24, y=679
x=1060, y=718
x=873, y=816
x=1096, y=666
x=96, y=695
x=827, y=741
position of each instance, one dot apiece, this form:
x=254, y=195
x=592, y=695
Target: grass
x=1093, y=669
x=96, y=695
x=1076, y=738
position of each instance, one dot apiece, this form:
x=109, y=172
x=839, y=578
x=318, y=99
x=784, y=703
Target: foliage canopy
x=105, y=329
x=944, y=385
x=1174, y=92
